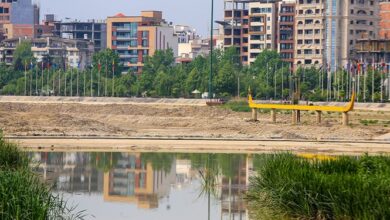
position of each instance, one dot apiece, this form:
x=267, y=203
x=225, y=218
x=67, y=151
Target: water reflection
x=151, y=185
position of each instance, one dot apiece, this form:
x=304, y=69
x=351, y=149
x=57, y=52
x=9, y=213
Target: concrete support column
x=319, y=119
x=294, y=117
x=254, y=114
x=345, y=118
x=298, y=116
x=273, y=115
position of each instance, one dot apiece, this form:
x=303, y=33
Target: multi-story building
x=384, y=25
x=346, y=22
x=19, y=16
x=136, y=37
x=63, y=52
x=185, y=33
x=309, y=33
x=262, y=28
x=236, y=26
x=92, y=30
x=286, y=31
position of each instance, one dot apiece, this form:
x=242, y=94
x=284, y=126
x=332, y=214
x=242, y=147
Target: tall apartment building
x=95, y=31
x=262, y=28
x=286, y=30
x=135, y=37
x=346, y=22
x=236, y=26
x=309, y=32
x=384, y=25
x=327, y=30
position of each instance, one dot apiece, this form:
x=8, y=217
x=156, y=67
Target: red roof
x=120, y=15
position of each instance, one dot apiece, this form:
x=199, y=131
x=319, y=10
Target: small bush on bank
x=347, y=188
x=237, y=106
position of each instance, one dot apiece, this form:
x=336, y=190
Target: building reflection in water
x=145, y=179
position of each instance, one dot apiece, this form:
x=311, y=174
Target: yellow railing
x=346, y=108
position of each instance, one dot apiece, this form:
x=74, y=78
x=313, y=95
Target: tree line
x=269, y=77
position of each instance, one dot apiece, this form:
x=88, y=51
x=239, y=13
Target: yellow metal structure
x=317, y=157
x=347, y=108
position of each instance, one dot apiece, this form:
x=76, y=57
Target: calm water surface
x=148, y=186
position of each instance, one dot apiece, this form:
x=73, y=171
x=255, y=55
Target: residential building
x=63, y=52
x=23, y=14
x=93, y=30
x=384, y=25
x=136, y=37
x=262, y=28
x=309, y=33
x=286, y=31
x=5, y=14
x=346, y=22
x=236, y=26
x=185, y=33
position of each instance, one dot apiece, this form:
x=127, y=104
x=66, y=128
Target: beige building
x=136, y=37
x=309, y=32
x=327, y=30
x=262, y=28
x=346, y=22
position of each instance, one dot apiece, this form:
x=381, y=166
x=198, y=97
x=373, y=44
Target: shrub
x=346, y=188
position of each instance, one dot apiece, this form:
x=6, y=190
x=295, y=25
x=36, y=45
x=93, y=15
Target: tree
x=107, y=59
x=22, y=55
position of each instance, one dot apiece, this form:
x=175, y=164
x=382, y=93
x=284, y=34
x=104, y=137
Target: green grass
x=368, y=122
x=237, y=106
x=22, y=193
x=347, y=188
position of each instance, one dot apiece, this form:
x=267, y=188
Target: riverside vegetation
x=288, y=186
x=22, y=193
x=268, y=77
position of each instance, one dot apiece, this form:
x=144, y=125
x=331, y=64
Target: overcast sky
x=195, y=13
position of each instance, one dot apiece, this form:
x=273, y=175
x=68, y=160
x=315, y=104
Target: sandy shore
x=184, y=121
x=200, y=146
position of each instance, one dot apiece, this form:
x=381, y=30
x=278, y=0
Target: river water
x=149, y=186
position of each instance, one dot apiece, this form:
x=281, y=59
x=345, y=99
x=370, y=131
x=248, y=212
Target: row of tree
x=268, y=78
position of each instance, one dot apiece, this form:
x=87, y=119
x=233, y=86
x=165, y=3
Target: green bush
x=22, y=193
x=237, y=106
x=345, y=188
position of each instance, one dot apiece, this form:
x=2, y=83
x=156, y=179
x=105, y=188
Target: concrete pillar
x=298, y=116
x=318, y=114
x=294, y=117
x=273, y=115
x=345, y=119
x=254, y=114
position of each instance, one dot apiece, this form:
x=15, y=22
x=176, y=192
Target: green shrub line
x=237, y=106
x=23, y=195
x=288, y=186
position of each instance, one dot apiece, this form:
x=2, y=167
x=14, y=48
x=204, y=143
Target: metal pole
x=25, y=78
x=91, y=82
x=42, y=79
x=59, y=82
x=77, y=82
x=211, y=53
x=105, y=84
x=65, y=79
x=282, y=81
x=36, y=80
x=275, y=82
x=71, y=82
x=85, y=77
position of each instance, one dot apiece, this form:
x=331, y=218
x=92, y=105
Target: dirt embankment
x=44, y=119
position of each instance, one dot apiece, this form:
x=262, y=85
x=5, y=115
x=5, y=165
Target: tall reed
x=22, y=193
x=347, y=188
